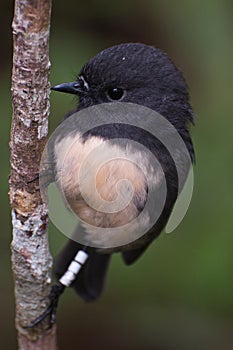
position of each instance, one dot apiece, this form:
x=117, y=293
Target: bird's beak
x=71, y=88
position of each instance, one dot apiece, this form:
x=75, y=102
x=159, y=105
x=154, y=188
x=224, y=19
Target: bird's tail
x=90, y=281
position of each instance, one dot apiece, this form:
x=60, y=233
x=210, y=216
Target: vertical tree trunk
x=31, y=259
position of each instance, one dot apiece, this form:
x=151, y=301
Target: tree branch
x=31, y=259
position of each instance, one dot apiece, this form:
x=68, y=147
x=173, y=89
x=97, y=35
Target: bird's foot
x=54, y=296
x=46, y=177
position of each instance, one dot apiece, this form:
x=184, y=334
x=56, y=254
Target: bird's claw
x=54, y=295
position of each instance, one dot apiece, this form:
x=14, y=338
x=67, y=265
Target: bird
x=128, y=73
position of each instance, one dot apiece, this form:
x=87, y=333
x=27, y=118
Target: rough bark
x=31, y=259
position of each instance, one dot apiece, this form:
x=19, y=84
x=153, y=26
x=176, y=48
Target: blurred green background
x=179, y=296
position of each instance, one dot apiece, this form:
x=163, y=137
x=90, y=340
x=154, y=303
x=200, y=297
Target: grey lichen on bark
x=31, y=259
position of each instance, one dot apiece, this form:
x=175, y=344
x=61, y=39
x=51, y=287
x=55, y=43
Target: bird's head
x=135, y=73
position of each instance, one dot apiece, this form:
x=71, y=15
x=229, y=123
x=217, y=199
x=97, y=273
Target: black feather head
x=146, y=75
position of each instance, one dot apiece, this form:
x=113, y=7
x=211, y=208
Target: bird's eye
x=115, y=93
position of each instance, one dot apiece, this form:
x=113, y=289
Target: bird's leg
x=56, y=291
x=48, y=174
x=65, y=281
